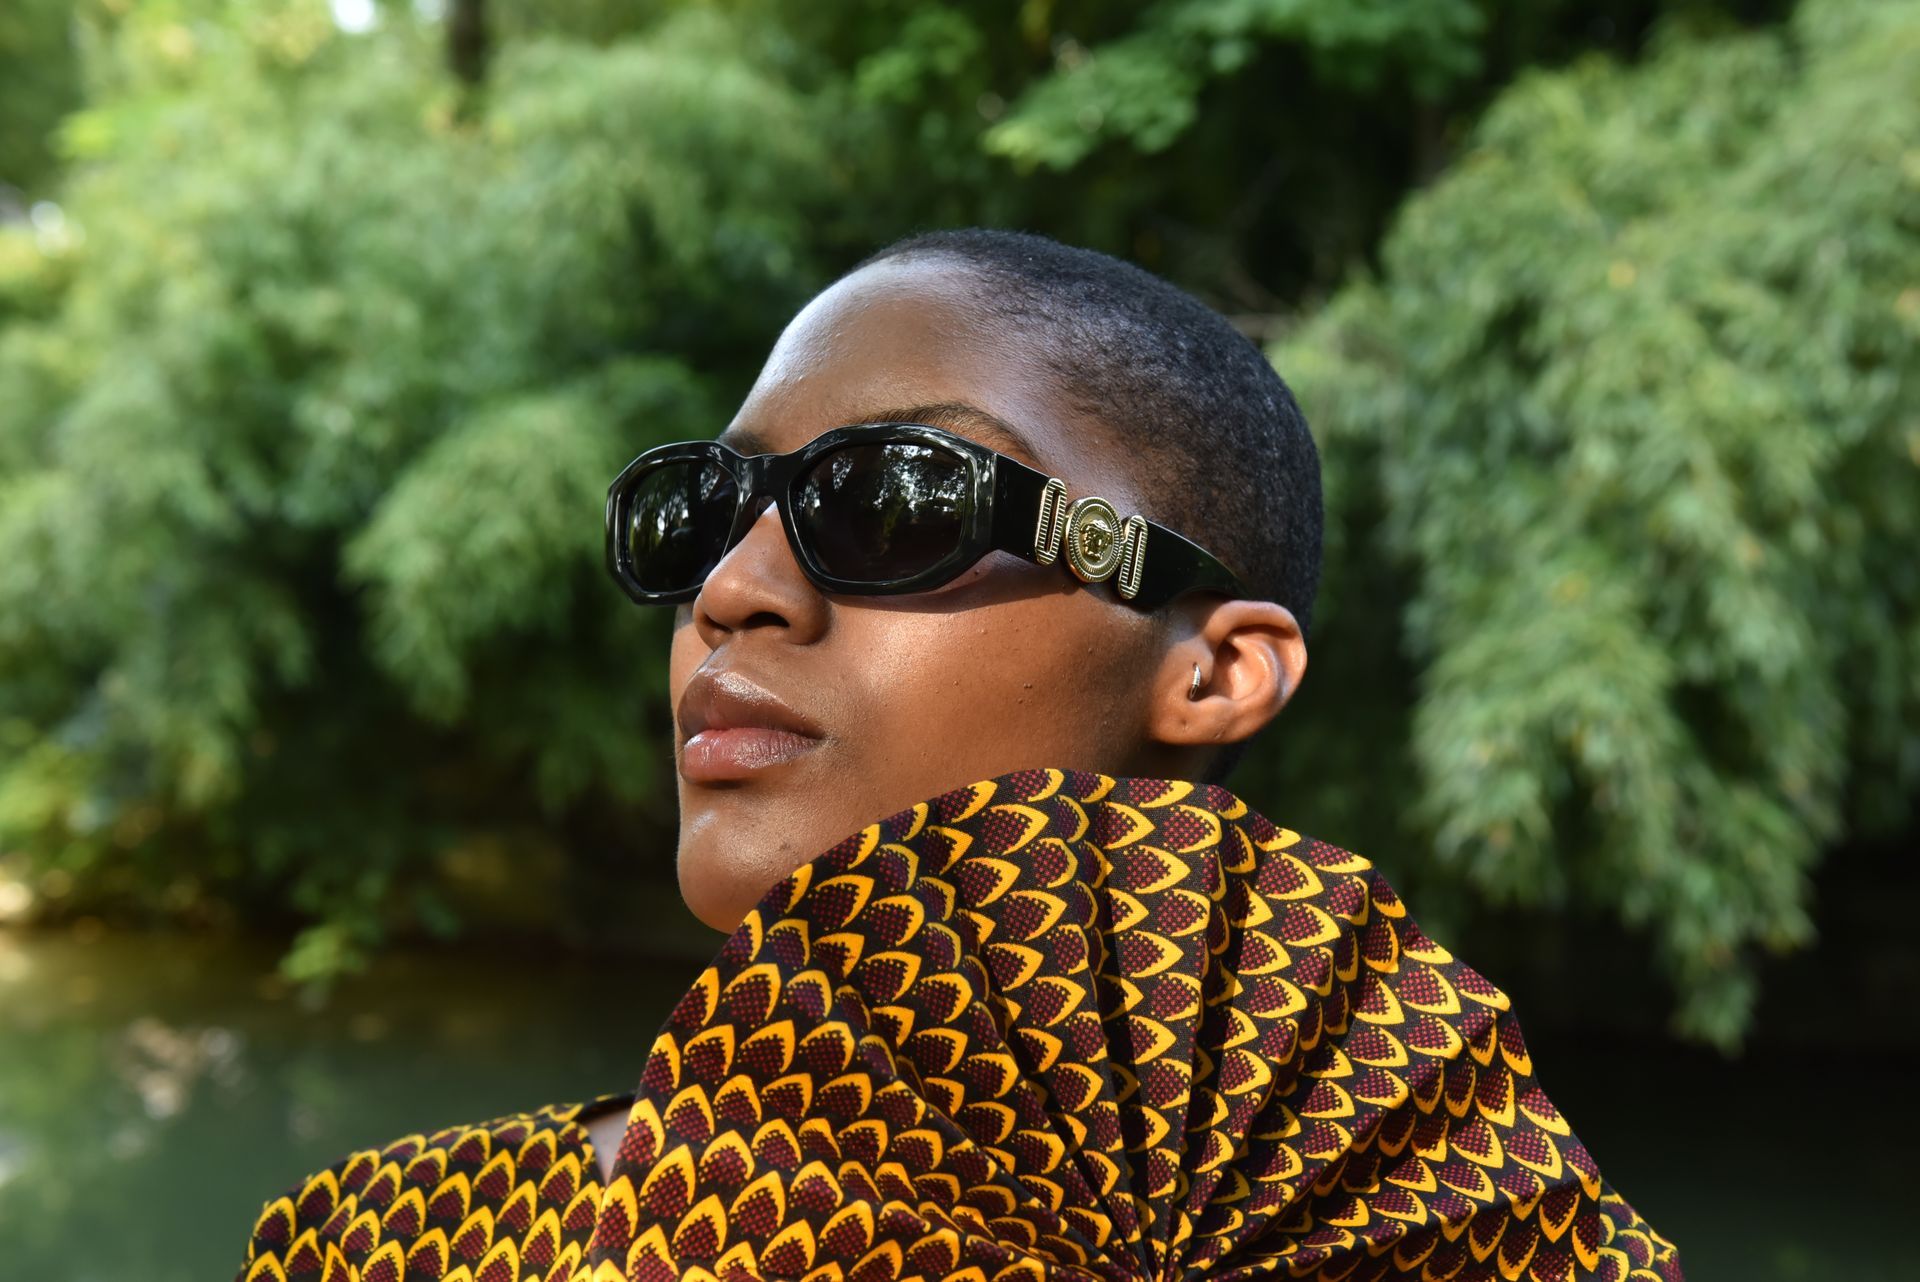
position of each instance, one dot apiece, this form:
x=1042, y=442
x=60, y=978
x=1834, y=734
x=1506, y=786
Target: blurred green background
x=335, y=793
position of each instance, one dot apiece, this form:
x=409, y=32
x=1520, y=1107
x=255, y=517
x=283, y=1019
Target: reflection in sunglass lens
x=882, y=511
x=677, y=532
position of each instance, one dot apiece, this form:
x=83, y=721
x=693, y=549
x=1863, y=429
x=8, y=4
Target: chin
x=708, y=904
x=718, y=886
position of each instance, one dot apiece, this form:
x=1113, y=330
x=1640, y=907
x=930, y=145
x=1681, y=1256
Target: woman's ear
x=1251, y=658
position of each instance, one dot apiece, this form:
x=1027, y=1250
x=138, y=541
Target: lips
x=734, y=728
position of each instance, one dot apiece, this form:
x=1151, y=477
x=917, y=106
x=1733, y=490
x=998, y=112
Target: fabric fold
x=1058, y=1024
x=1051, y=1025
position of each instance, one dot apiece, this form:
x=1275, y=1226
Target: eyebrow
x=988, y=429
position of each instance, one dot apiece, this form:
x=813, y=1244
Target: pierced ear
x=1251, y=659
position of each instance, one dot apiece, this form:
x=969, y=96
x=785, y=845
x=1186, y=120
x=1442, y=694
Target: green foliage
x=312, y=382
x=299, y=563
x=1633, y=399
x=39, y=83
x=1251, y=150
x=1144, y=86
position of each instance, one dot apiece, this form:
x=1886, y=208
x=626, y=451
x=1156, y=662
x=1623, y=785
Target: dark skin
x=1011, y=665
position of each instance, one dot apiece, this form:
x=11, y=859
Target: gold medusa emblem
x=1096, y=541
x=1092, y=538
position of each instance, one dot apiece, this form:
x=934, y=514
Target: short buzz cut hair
x=1230, y=462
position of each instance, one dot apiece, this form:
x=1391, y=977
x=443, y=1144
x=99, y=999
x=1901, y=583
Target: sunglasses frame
x=1011, y=508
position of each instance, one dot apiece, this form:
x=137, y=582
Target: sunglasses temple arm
x=1176, y=565
x=1017, y=490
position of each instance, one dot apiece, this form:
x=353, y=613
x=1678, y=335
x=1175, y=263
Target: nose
x=759, y=585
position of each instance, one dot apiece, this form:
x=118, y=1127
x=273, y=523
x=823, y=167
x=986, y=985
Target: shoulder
x=520, y=1187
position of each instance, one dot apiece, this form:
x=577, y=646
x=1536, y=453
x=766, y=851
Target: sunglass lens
x=883, y=512
x=681, y=513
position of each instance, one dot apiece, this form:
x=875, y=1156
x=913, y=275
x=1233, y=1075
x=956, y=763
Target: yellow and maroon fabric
x=513, y=1198
x=1062, y=1025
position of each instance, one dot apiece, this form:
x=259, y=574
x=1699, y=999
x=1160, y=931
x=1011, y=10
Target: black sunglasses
x=882, y=508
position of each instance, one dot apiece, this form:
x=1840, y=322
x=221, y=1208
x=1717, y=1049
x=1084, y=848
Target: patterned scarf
x=1058, y=1025
x=1051, y=1025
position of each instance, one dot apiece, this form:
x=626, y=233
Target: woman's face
x=833, y=711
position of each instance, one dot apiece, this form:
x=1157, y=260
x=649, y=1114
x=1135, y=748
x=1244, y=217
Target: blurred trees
x=39, y=84
x=300, y=588
x=1632, y=408
x=312, y=383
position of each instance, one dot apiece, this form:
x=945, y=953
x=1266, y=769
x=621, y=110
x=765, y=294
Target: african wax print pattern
x=510, y=1199
x=1061, y=1025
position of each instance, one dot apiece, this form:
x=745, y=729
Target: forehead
x=910, y=341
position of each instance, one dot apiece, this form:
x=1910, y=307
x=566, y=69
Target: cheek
x=979, y=693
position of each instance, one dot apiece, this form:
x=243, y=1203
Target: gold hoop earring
x=1193, y=688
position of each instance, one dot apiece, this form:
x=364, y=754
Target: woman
x=1010, y=551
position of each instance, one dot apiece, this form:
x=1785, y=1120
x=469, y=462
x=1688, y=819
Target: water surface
x=154, y=1090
